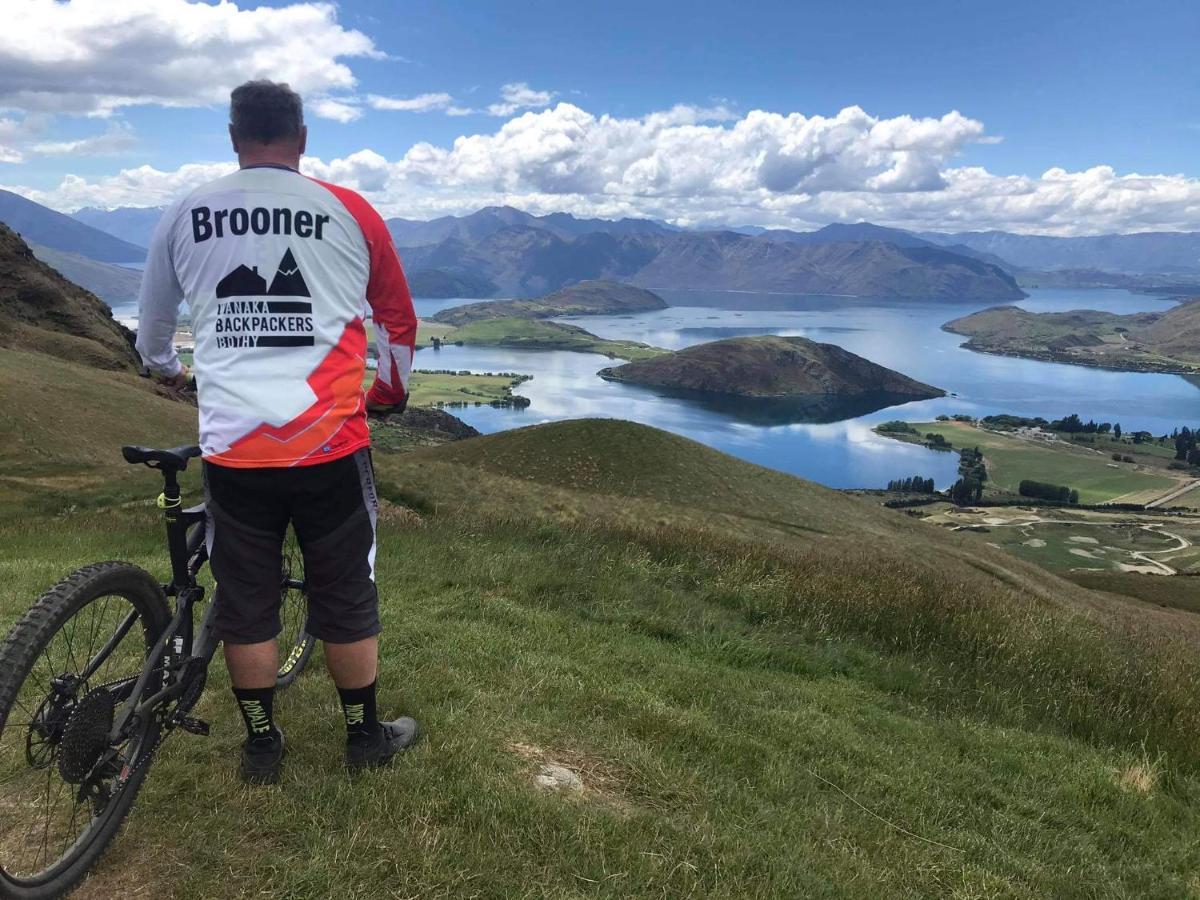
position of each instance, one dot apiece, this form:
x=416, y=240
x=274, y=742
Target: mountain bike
x=93, y=678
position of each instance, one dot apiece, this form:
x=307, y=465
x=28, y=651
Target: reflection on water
x=816, y=409
x=842, y=451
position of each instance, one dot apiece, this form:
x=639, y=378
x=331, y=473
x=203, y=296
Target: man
x=278, y=271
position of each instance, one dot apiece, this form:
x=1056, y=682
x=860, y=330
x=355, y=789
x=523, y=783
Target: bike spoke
x=40, y=813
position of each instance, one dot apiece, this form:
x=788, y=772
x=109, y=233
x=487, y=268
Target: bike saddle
x=175, y=459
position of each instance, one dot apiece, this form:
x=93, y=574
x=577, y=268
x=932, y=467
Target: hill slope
x=764, y=688
x=582, y=299
x=770, y=367
x=112, y=284
x=1157, y=342
x=42, y=225
x=40, y=310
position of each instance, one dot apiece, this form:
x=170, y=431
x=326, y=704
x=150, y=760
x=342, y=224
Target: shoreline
x=1051, y=357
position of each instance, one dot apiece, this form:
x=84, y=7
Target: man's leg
x=354, y=665
x=246, y=523
x=334, y=519
x=252, y=669
x=354, y=669
x=253, y=665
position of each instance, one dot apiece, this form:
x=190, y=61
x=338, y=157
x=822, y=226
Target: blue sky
x=1067, y=86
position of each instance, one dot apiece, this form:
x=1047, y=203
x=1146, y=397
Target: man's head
x=266, y=124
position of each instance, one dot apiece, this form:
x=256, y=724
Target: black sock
x=257, y=706
x=358, y=707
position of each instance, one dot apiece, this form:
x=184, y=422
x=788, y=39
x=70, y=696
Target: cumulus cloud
x=78, y=56
x=117, y=139
x=700, y=166
x=519, y=95
x=420, y=103
x=339, y=109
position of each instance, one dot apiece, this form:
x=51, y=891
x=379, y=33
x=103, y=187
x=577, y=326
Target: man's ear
x=233, y=140
x=303, y=139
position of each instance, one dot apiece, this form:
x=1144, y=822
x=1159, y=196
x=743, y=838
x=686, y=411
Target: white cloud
x=420, y=103
x=143, y=186
x=519, y=95
x=339, y=109
x=25, y=137
x=697, y=166
x=117, y=139
x=96, y=56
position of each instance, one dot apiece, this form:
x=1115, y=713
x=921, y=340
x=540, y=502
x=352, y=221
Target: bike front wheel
x=65, y=670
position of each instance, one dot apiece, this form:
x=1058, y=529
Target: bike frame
x=178, y=647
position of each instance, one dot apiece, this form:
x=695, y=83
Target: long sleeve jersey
x=280, y=273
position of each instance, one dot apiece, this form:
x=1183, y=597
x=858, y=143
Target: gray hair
x=263, y=112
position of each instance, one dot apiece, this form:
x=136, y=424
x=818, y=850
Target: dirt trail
x=1144, y=555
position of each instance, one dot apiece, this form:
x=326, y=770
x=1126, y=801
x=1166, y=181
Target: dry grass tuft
x=1140, y=778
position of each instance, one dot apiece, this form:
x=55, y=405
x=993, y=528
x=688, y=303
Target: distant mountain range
x=1156, y=252
x=41, y=225
x=129, y=223
x=502, y=251
x=525, y=256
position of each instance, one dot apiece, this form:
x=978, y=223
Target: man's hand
x=178, y=381
x=383, y=410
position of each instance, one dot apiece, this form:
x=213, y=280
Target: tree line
x=916, y=484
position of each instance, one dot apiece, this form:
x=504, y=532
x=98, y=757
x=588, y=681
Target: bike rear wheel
x=65, y=670
x=295, y=643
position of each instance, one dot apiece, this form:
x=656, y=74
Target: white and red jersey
x=279, y=271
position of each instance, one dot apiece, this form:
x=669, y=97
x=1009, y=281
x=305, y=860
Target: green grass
x=538, y=334
x=769, y=689
x=701, y=702
x=1174, y=593
x=440, y=388
x=1011, y=460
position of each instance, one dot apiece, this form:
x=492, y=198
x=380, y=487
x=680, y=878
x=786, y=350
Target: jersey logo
x=261, y=321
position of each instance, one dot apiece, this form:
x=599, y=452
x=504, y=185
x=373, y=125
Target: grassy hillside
x=1153, y=342
x=62, y=429
x=533, y=334
x=43, y=312
x=766, y=688
x=1011, y=459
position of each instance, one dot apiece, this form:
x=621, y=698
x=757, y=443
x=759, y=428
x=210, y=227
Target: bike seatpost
x=171, y=502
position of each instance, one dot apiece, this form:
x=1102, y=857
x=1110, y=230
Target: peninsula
x=1142, y=342
x=587, y=298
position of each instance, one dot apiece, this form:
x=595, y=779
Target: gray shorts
x=332, y=507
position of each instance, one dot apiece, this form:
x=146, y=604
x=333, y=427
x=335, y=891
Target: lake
x=905, y=336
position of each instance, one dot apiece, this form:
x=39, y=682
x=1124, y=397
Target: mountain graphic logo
x=244, y=281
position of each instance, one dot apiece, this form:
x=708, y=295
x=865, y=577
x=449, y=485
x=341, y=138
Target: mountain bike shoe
x=262, y=759
x=391, y=738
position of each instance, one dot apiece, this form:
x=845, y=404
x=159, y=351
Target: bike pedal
x=192, y=725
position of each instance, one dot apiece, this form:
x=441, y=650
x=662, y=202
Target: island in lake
x=774, y=380
x=1142, y=342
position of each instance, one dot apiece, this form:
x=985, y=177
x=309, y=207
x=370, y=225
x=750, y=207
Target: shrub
x=1055, y=493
